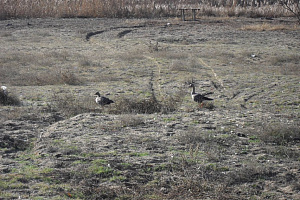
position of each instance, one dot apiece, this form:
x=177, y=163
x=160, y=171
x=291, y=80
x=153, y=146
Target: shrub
x=6, y=99
x=280, y=133
x=147, y=106
x=126, y=105
x=293, y=6
x=69, y=105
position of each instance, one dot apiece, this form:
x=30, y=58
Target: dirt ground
x=245, y=144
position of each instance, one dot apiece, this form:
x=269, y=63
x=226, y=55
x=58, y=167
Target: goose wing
x=207, y=99
x=105, y=101
x=207, y=93
x=200, y=98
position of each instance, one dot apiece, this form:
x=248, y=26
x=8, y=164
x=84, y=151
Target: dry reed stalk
x=139, y=9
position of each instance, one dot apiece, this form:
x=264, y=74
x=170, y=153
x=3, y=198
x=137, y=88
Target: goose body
x=102, y=100
x=199, y=98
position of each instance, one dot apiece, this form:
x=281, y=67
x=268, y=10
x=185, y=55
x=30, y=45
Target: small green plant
x=169, y=119
x=254, y=139
x=139, y=154
x=101, y=170
x=117, y=178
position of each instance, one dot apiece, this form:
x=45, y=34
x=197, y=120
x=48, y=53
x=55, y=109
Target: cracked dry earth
x=244, y=146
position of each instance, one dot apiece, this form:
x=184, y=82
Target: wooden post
x=194, y=14
x=182, y=15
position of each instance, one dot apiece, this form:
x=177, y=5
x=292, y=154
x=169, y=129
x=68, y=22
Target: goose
x=4, y=89
x=102, y=100
x=199, y=98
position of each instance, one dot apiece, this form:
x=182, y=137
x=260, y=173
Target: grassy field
x=154, y=142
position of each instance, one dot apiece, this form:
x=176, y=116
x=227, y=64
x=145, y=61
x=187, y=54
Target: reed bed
x=138, y=9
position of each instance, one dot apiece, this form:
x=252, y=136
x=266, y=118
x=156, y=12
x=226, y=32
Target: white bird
x=4, y=89
x=102, y=100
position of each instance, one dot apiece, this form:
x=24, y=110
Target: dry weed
x=280, y=134
x=71, y=105
x=140, y=9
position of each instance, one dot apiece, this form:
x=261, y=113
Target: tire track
x=214, y=74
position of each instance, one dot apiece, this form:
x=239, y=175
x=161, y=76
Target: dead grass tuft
x=281, y=59
x=53, y=77
x=280, y=134
x=209, y=105
x=133, y=105
x=147, y=106
x=70, y=105
x=9, y=99
x=178, y=66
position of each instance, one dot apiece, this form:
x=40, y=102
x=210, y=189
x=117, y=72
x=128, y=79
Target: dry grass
x=133, y=105
x=280, y=134
x=268, y=27
x=283, y=59
x=145, y=9
x=148, y=105
x=70, y=105
x=52, y=77
x=286, y=64
x=37, y=69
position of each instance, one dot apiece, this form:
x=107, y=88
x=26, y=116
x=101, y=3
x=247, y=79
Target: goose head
x=191, y=85
x=98, y=94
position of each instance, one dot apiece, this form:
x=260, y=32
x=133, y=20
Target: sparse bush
x=283, y=59
x=69, y=78
x=178, y=66
x=7, y=99
x=147, y=106
x=283, y=152
x=292, y=6
x=208, y=105
x=133, y=105
x=70, y=106
x=250, y=173
x=280, y=134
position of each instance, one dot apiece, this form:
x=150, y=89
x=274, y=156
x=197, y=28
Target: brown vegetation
x=140, y=9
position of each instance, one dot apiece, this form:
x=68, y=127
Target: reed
x=139, y=9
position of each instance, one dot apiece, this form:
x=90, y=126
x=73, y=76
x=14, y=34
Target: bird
x=102, y=100
x=199, y=98
x=4, y=89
